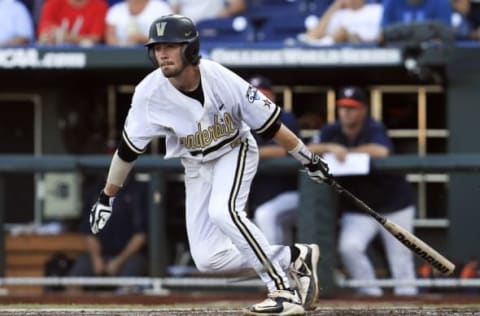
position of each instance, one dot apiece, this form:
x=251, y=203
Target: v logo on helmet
x=161, y=28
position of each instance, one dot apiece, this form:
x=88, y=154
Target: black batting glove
x=100, y=212
x=318, y=169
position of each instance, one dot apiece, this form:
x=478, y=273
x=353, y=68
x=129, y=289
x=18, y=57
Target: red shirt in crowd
x=83, y=17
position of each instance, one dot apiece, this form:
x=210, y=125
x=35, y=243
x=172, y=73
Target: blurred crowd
x=309, y=22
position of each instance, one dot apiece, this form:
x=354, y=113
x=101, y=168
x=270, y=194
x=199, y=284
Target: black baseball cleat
x=278, y=303
x=304, y=271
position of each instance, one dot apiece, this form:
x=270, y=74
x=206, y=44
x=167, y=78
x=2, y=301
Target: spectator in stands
x=346, y=21
x=274, y=196
x=16, y=25
x=119, y=249
x=208, y=9
x=78, y=22
x=388, y=194
x=128, y=21
x=408, y=11
x=466, y=19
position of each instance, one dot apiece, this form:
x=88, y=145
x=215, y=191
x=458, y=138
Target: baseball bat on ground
x=412, y=242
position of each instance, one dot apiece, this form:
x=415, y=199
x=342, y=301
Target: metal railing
x=158, y=167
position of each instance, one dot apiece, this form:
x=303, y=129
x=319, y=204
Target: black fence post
x=317, y=223
x=158, y=245
x=2, y=224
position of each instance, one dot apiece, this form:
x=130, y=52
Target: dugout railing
x=316, y=220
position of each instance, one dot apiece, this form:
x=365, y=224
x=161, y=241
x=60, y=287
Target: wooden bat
x=410, y=241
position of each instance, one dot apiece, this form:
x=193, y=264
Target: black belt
x=215, y=147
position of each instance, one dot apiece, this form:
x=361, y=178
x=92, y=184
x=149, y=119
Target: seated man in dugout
x=120, y=249
x=388, y=194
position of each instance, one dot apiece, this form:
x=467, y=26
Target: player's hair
x=174, y=28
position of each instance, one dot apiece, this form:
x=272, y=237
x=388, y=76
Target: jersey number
x=161, y=28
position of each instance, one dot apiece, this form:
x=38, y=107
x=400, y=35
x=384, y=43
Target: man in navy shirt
x=388, y=194
x=120, y=249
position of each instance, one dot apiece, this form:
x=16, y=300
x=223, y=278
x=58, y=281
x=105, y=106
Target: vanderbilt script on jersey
x=192, y=130
x=204, y=137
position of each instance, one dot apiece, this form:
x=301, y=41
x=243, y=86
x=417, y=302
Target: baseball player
x=205, y=112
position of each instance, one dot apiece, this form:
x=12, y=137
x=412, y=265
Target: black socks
x=294, y=253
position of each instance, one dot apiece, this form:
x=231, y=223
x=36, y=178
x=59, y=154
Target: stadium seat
x=281, y=7
x=277, y=20
x=275, y=7
x=232, y=29
x=280, y=28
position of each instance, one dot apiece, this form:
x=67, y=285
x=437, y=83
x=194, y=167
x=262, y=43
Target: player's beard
x=172, y=70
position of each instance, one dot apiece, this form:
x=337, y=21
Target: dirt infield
x=231, y=304
x=230, y=310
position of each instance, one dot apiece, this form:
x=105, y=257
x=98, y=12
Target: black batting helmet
x=174, y=28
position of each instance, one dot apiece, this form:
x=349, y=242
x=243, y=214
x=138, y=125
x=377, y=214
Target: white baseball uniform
x=220, y=158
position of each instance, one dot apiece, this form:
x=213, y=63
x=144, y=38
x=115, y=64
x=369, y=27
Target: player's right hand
x=318, y=169
x=100, y=212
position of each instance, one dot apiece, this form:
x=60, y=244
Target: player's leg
x=232, y=177
x=356, y=233
x=275, y=216
x=203, y=233
x=400, y=258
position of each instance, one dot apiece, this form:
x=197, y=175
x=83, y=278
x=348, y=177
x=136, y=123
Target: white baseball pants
x=357, y=231
x=220, y=235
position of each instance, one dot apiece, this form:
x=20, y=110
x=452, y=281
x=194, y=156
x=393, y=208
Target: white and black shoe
x=304, y=271
x=280, y=302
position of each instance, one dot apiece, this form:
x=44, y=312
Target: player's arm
x=317, y=169
x=120, y=167
x=117, y=174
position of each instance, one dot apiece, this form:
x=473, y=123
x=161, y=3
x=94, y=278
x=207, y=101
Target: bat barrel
x=427, y=253
x=412, y=242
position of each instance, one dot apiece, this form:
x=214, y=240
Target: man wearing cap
x=274, y=197
x=388, y=194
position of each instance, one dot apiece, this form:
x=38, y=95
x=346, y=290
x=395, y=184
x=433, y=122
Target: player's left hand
x=100, y=212
x=318, y=169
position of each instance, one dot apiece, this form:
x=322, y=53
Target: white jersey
x=364, y=22
x=126, y=24
x=192, y=130
x=198, y=10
